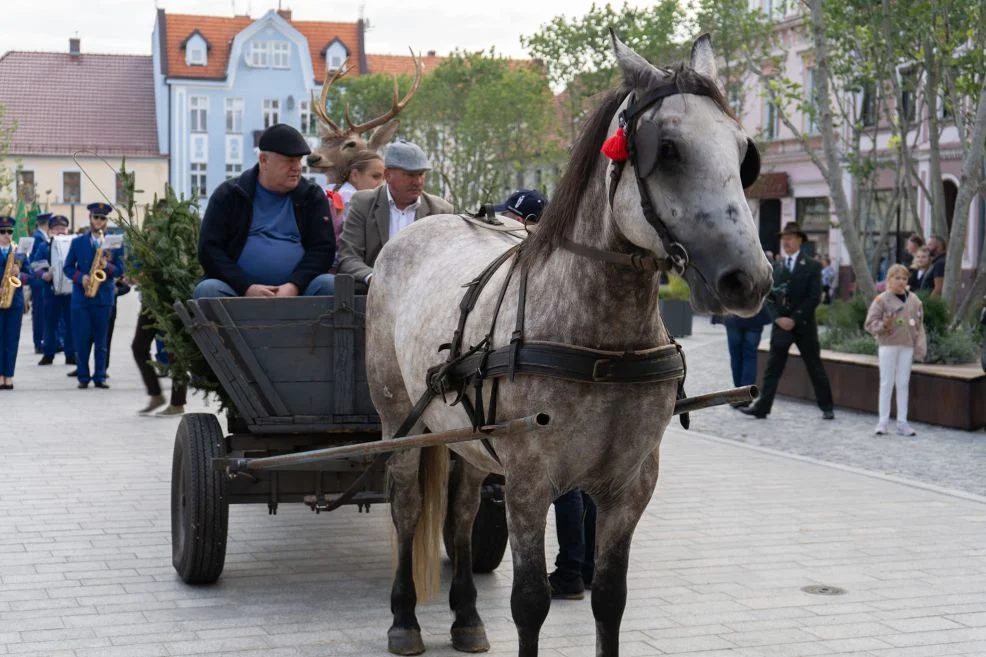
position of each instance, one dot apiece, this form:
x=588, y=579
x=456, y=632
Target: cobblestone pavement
x=717, y=566
x=937, y=455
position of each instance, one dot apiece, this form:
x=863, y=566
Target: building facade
x=77, y=116
x=793, y=189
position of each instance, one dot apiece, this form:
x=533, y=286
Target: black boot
x=46, y=360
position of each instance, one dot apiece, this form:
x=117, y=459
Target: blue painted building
x=219, y=81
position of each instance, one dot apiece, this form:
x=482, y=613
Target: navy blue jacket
x=78, y=263
x=226, y=226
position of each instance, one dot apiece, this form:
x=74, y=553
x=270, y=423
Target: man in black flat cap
x=268, y=232
x=796, y=293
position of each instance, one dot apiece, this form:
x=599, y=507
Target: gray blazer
x=367, y=228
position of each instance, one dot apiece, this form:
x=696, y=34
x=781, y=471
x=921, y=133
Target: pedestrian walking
x=12, y=297
x=896, y=319
x=796, y=293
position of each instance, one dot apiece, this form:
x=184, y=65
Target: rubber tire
x=199, y=503
x=489, y=531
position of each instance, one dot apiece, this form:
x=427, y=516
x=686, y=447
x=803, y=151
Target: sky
x=124, y=26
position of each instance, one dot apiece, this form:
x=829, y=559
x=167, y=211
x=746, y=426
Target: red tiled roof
x=400, y=64
x=220, y=30
x=103, y=103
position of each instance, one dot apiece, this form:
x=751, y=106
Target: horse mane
x=558, y=217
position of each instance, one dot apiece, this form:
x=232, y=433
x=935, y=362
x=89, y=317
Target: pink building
x=792, y=188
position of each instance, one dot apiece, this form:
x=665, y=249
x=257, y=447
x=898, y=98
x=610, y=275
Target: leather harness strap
x=634, y=261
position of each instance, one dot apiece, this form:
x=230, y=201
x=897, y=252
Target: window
x=735, y=97
x=233, y=170
x=234, y=149
x=71, y=187
x=867, y=109
x=258, y=54
x=281, y=54
x=195, y=55
x=335, y=62
x=234, y=115
x=811, y=104
x=25, y=186
x=770, y=119
x=198, y=180
x=272, y=113
x=122, y=197
x=198, y=108
x=815, y=219
x=908, y=91
x=198, y=147
x=309, y=122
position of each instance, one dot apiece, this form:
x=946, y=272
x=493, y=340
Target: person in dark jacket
x=743, y=338
x=796, y=293
x=268, y=232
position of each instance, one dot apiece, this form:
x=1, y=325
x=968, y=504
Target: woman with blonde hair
x=896, y=319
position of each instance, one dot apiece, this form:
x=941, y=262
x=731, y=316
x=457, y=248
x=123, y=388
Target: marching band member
x=91, y=316
x=58, y=307
x=38, y=296
x=10, y=318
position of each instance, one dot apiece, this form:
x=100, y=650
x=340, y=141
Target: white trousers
x=895, y=368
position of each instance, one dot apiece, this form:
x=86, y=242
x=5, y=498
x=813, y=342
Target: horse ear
x=637, y=71
x=384, y=134
x=703, y=59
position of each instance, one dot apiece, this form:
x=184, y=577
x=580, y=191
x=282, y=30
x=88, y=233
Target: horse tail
x=432, y=477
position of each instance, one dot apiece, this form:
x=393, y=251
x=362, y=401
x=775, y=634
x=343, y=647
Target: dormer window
x=196, y=49
x=335, y=55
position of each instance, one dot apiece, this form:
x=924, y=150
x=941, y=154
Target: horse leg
x=615, y=522
x=527, y=510
x=468, y=631
x=404, y=636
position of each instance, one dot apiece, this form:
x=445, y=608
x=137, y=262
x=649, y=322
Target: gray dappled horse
x=693, y=158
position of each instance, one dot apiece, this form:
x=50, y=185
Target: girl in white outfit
x=896, y=319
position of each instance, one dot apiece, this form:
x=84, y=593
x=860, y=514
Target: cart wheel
x=199, y=505
x=489, y=531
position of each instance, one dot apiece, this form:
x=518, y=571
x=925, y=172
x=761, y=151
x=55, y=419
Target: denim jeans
x=323, y=285
x=743, y=345
x=575, y=521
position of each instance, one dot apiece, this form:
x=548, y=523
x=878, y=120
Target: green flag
x=32, y=217
x=20, y=221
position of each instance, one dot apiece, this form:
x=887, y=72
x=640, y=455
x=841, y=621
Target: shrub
x=676, y=288
x=953, y=347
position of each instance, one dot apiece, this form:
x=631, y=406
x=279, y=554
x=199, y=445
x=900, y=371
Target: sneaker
x=563, y=590
x=153, y=404
x=171, y=411
x=904, y=429
x=881, y=429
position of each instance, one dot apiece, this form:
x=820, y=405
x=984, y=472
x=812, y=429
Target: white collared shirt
x=401, y=219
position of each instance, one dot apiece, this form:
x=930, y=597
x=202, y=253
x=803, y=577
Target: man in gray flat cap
x=268, y=232
x=377, y=215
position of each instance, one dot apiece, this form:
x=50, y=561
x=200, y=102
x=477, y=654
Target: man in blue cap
x=57, y=306
x=10, y=318
x=38, y=296
x=524, y=205
x=268, y=232
x=91, y=316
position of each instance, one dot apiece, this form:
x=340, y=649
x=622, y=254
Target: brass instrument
x=96, y=273
x=10, y=282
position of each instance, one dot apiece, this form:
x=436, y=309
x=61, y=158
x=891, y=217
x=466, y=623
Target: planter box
x=947, y=395
x=677, y=316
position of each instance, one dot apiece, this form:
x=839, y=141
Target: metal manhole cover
x=821, y=589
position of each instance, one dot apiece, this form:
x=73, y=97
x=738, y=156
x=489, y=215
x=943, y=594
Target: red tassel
x=335, y=198
x=615, y=148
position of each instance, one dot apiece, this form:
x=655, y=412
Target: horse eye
x=667, y=150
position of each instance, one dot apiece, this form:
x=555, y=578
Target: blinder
x=750, y=169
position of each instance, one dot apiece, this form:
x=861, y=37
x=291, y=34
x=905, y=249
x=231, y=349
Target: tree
x=478, y=116
x=8, y=194
x=577, y=54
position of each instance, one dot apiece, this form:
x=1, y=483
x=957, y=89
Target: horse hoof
x=401, y=641
x=470, y=639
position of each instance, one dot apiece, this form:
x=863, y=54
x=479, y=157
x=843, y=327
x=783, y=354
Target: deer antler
x=398, y=104
x=318, y=106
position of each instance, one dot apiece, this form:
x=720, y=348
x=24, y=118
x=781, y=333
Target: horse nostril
x=735, y=282
x=314, y=159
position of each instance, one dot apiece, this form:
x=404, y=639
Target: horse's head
x=692, y=159
x=338, y=146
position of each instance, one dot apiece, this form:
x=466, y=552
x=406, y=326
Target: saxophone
x=10, y=283
x=96, y=273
